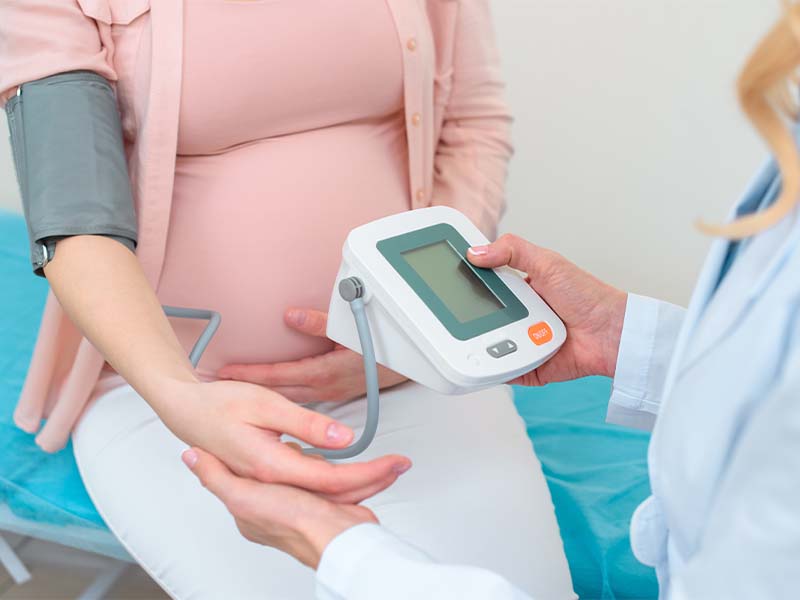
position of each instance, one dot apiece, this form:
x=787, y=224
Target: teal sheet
x=40, y=494
x=596, y=472
x=597, y=475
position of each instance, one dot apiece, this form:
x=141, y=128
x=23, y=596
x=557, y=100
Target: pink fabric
x=457, y=134
x=265, y=191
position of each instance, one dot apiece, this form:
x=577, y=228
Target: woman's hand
x=280, y=516
x=592, y=311
x=242, y=423
x=336, y=376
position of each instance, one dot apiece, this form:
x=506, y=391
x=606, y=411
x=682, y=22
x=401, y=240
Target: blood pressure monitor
x=433, y=316
x=407, y=298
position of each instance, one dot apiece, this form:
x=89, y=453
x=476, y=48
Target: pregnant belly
x=260, y=228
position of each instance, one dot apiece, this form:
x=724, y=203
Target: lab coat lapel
x=160, y=144
x=710, y=273
x=717, y=311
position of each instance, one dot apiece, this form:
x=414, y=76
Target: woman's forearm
x=102, y=287
x=100, y=284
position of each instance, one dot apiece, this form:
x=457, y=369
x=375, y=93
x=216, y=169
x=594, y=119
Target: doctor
x=719, y=383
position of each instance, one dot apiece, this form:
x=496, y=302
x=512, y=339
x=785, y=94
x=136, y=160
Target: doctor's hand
x=335, y=376
x=297, y=522
x=242, y=424
x=592, y=310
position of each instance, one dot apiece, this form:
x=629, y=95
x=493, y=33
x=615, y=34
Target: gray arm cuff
x=66, y=138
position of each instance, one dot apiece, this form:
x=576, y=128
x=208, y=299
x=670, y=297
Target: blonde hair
x=767, y=97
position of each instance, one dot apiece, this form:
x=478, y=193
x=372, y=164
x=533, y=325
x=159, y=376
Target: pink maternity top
x=288, y=138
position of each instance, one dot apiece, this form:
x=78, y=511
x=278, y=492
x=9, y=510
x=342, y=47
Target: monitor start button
x=540, y=333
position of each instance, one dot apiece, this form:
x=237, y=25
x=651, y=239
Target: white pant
x=475, y=495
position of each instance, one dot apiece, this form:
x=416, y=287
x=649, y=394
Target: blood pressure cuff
x=66, y=138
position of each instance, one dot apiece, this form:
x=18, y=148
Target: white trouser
x=475, y=495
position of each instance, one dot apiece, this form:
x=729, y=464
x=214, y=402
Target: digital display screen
x=452, y=279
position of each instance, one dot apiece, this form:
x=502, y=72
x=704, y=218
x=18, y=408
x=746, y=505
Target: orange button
x=540, y=333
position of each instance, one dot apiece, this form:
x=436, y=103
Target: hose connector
x=351, y=288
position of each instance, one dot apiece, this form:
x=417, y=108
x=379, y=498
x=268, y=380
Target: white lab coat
x=723, y=379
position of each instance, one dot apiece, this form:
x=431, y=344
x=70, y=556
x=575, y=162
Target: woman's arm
x=474, y=146
x=102, y=288
x=39, y=38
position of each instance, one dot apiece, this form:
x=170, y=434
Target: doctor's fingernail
x=189, y=458
x=479, y=250
x=298, y=317
x=338, y=433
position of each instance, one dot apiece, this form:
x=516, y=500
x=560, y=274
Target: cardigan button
x=420, y=195
x=416, y=119
x=412, y=44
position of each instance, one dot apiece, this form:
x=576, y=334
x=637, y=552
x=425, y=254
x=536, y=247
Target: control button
x=502, y=349
x=540, y=333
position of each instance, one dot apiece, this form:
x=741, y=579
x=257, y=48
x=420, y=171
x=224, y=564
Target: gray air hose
x=201, y=344
x=352, y=291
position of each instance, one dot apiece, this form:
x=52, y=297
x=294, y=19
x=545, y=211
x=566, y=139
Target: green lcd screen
x=467, y=300
x=453, y=281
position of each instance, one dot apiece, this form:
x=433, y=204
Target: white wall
x=627, y=129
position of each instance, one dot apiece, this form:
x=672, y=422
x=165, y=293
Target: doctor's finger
x=515, y=252
x=359, y=495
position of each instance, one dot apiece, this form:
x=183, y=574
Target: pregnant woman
x=233, y=145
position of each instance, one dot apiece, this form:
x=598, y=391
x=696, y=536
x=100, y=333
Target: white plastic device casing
x=407, y=335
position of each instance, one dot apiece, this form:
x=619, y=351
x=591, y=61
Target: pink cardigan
x=457, y=126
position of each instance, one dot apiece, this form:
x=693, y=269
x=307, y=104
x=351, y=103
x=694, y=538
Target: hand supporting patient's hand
x=336, y=376
x=280, y=516
x=242, y=423
x=592, y=310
